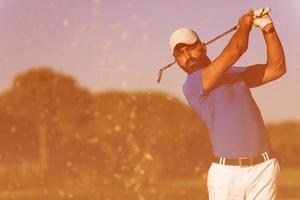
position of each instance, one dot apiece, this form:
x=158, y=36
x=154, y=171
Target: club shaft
x=207, y=43
x=221, y=35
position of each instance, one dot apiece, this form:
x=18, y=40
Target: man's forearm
x=275, y=52
x=239, y=41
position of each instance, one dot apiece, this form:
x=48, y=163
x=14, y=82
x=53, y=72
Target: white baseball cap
x=182, y=35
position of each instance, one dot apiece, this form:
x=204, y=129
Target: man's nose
x=186, y=54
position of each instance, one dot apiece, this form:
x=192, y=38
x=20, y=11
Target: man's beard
x=192, y=63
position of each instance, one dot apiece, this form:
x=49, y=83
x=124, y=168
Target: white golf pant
x=229, y=182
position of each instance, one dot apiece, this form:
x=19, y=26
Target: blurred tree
x=124, y=139
x=285, y=140
x=51, y=101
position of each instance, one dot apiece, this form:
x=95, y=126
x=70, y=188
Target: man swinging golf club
x=243, y=167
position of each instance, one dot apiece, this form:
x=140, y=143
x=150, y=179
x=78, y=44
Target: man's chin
x=193, y=67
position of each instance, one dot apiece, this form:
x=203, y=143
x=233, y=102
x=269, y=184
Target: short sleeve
x=199, y=102
x=193, y=88
x=234, y=75
x=234, y=69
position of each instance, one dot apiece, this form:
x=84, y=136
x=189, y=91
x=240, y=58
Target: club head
x=159, y=75
x=161, y=71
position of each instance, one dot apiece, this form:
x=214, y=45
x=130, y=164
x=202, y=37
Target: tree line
x=52, y=127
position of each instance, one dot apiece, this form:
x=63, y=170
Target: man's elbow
x=280, y=71
x=278, y=68
x=283, y=71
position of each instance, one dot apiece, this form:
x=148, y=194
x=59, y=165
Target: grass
x=289, y=177
x=189, y=189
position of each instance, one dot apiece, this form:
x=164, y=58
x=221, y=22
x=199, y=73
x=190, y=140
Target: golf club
x=264, y=11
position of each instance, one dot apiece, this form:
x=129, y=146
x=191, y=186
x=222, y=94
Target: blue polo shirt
x=231, y=115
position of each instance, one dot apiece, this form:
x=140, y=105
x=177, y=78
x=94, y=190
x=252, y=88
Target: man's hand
x=261, y=18
x=246, y=21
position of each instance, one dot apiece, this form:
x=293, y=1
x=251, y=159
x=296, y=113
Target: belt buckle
x=242, y=162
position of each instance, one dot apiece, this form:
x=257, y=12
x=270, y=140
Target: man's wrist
x=245, y=29
x=268, y=29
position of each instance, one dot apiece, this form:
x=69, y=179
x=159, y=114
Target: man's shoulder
x=192, y=78
x=192, y=86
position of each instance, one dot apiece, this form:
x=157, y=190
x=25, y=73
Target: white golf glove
x=261, y=17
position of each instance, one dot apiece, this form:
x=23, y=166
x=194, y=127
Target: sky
x=120, y=45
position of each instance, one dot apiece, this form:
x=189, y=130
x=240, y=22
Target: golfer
x=243, y=167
